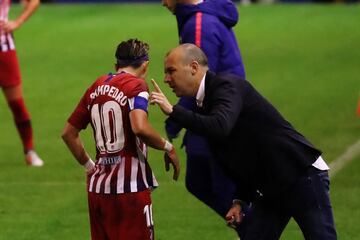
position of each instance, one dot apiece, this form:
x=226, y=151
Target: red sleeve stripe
x=198, y=29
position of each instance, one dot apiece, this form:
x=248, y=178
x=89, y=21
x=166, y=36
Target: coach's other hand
x=234, y=215
x=158, y=97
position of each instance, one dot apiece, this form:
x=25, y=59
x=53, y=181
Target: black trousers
x=206, y=181
x=307, y=201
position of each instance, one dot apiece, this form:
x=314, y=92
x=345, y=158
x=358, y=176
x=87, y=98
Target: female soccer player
x=10, y=80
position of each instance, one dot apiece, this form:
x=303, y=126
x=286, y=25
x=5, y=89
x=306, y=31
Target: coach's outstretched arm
x=226, y=106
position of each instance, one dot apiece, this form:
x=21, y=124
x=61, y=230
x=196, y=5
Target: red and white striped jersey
x=6, y=39
x=121, y=157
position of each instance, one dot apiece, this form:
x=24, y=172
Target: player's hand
x=90, y=167
x=171, y=158
x=234, y=215
x=91, y=171
x=9, y=26
x=158, y=97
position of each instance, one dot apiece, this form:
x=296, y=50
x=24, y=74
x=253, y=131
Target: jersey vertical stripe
x=121, y=176
x=133, y=176
x=92, y=178
x=6, y=39
x=100, y=179
x=198, y=29
x=108, y=179
x=127, y=174
x=143, y=171
x=111, y=179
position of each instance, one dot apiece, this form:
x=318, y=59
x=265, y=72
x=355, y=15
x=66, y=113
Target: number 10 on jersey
x=108, y=126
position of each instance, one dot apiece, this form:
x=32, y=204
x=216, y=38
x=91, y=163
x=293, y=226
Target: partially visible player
x=120, y=180
x=10, y=80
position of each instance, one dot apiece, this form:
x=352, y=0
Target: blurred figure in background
x=10, y=79
x=208, y=24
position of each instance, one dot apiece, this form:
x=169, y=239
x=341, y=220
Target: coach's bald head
x=185, y=66
x=190, y=52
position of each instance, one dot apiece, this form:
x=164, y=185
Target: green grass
x=304, y=58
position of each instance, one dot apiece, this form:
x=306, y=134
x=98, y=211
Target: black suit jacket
x=254, y=144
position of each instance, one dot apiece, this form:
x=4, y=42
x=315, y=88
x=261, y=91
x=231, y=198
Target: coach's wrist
x=170, y=109
x=89, y=165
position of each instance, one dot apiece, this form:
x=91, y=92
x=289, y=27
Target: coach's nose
x=167, y=78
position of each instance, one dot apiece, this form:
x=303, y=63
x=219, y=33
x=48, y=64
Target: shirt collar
x=201, y=92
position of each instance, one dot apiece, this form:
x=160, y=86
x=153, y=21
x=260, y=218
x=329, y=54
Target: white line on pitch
x=335, y=167
x=344, y=159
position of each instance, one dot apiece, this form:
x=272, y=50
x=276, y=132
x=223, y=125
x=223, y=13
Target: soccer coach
x=274, y=166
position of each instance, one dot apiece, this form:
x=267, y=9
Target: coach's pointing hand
x=158, y=97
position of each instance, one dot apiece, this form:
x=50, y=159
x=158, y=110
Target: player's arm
x=142, y=129
x=71, y=137
x=29, y=9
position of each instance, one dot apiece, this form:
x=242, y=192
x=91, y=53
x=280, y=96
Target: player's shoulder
x=130, y=84
x=129, y=80
x=99, y=81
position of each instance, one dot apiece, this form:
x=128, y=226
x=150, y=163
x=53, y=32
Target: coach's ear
x=194, y=65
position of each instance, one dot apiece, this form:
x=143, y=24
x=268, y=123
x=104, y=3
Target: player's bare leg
x=15, y=100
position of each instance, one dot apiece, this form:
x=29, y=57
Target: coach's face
x=179, y=75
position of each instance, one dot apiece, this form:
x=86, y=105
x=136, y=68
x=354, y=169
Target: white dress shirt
x=201, y=92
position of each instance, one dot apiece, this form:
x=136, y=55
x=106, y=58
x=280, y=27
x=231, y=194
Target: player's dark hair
x=132, y=52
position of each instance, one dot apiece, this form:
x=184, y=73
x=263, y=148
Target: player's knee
x=19, y=110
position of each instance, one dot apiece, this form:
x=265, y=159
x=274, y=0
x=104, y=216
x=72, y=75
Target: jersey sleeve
x=80, y=118
x=139, y=96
